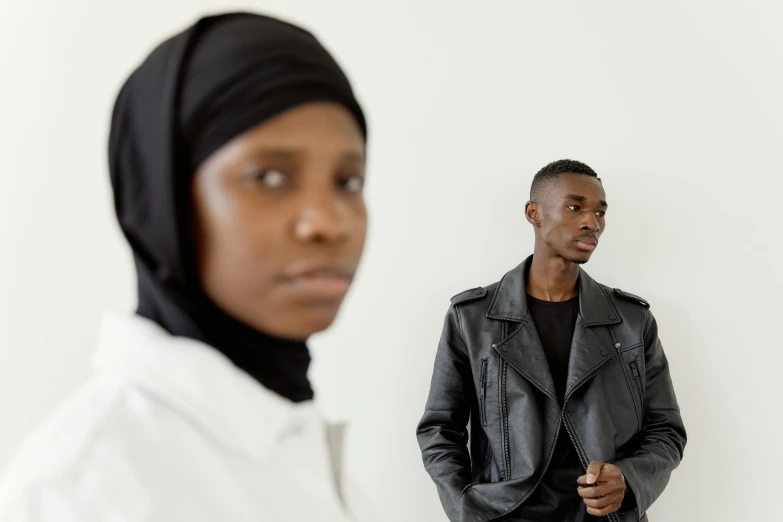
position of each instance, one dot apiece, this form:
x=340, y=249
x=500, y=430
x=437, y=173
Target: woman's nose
x=321, y=217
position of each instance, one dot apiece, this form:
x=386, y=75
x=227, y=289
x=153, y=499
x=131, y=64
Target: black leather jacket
x=491, y=373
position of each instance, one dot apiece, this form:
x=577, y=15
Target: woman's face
x=280, y=219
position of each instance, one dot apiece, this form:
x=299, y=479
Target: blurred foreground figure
x=237, y=156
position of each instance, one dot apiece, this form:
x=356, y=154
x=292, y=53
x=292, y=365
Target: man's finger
x=594, y=471
x=610, y=470
x=596, y=491
x=601, y=503
x=603, y=512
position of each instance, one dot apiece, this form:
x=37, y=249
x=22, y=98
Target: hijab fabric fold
x=194, y=93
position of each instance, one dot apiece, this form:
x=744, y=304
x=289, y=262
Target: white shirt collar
x=198, y=381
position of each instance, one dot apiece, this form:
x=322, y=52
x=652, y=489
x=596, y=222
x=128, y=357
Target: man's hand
x=608, y=493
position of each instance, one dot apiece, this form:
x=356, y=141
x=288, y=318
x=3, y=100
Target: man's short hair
x=549, y=173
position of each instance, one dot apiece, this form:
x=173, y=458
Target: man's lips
x=586, y=243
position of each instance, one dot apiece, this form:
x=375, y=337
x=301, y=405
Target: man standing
x=551, y=399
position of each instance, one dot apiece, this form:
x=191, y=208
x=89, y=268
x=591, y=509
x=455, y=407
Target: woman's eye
x=270, y=178
x=353, y=184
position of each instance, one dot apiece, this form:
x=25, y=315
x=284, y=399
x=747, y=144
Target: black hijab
x=194, y=93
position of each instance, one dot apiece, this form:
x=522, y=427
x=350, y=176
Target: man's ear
x=532, y=213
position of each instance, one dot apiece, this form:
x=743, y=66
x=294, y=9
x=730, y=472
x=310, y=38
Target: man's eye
x=353, y=184
x=601, y=213
x=575, y=208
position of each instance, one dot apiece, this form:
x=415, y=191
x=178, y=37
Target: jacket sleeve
x=442, y=432
x=663, y=438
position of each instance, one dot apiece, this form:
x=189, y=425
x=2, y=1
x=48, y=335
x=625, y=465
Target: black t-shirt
x=556, y=498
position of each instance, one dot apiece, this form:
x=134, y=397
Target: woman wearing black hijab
x=237, y=160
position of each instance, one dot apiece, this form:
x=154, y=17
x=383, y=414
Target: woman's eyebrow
x=353, y=157
x=290, y=153
x=278, y=152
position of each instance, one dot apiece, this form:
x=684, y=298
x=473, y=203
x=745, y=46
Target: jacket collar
x=510, y=300
x=522, y=348
x=198, y=382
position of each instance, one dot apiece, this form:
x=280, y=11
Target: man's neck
x=552, y=279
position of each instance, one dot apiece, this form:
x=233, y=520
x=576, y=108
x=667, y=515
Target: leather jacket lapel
x=592, y=345
x=524, y=352
x=522, y=349
x=588, y=355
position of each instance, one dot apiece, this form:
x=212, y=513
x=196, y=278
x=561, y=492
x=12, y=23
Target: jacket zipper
x=484, y=392
x=638, y=378
x=506, y=450
x=582, y=458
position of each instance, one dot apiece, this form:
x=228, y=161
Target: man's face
x=570, y=216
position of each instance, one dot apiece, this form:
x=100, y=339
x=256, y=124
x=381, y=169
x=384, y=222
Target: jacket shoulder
x=631, y=297
x=469, y=295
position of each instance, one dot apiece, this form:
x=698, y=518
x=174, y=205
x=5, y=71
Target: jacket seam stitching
x=647, y=322
x=500, y=413
x=459, y=331
x=504, y=407
x=497, y=291
x=633, y=347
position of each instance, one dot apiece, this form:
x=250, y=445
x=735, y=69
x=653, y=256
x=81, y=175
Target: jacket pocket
x=637, y=377
x=483, y=393
x=481, y=474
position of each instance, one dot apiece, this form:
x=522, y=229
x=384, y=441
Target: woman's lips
x=321, y=285
x=313, y=281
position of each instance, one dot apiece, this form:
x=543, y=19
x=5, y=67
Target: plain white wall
x=677, y=105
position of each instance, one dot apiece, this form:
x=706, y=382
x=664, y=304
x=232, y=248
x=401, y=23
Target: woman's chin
x=299, y=325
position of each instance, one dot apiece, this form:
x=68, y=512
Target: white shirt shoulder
x=168, y=429
x=71, y=467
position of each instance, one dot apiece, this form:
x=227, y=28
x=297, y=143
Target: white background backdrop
x=677, y=105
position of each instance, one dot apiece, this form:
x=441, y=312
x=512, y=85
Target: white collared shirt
x=168, y=429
